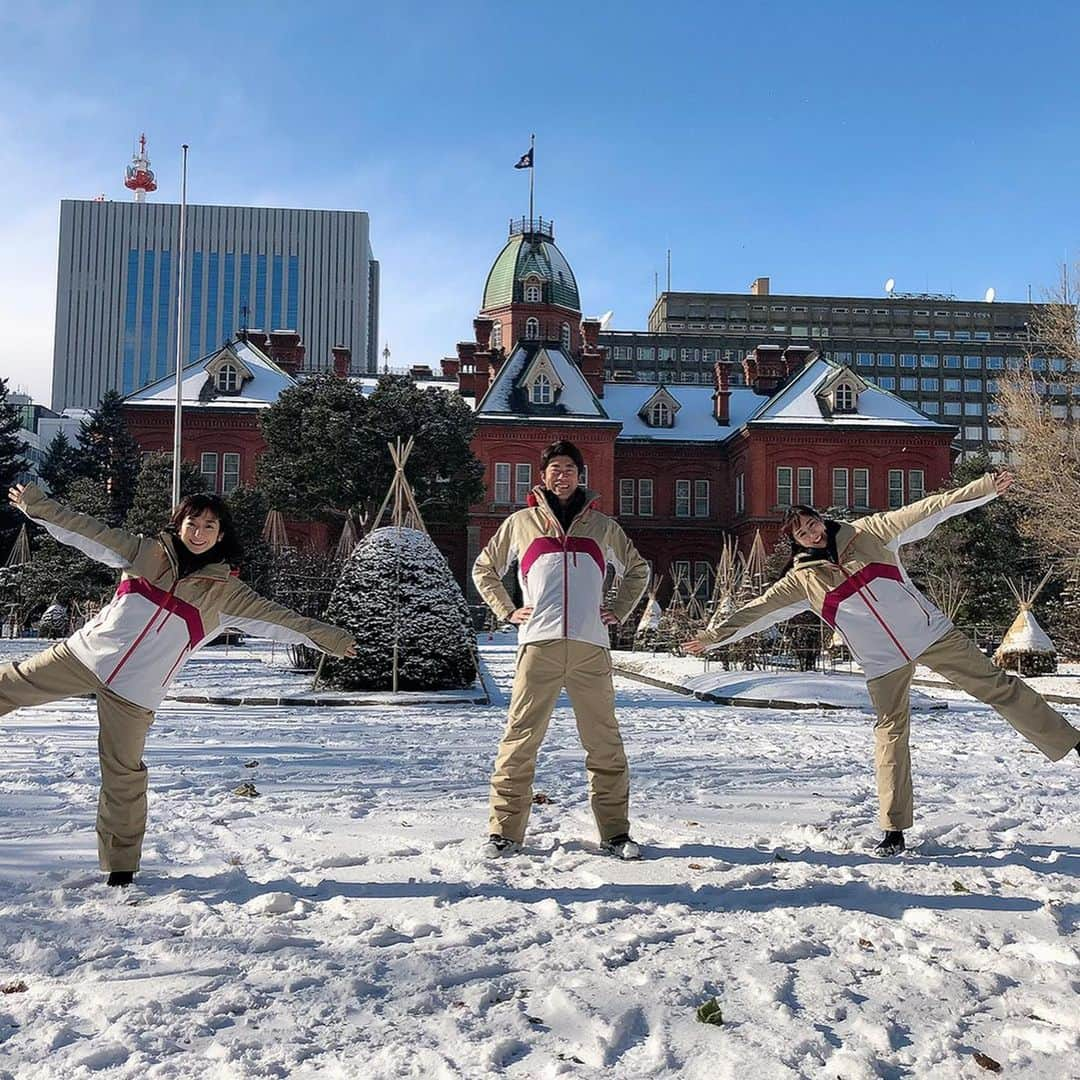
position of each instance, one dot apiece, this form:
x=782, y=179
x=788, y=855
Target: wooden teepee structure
x=274, y=532
x=400, y=500
x=20, y=552
x=347, y=541
x=1026, y=647
x=649, y=622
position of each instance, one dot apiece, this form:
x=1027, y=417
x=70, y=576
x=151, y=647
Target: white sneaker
x=498, y=847
x=622, y=847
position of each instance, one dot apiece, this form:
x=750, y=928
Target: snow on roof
x=694, y=421
x=268, y=383
x=1026, y=635
x=798, y=403
x=576, y=398
x=366, y=384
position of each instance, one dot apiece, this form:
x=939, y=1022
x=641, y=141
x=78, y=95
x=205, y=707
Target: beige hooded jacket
x=137, y=643
x=868, y=597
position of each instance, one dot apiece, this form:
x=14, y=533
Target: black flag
x=526, y=160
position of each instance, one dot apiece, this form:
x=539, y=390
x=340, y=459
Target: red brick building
x=680, y=465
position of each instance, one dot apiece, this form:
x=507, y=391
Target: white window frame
x=534, y=291
x=540, y=393
x=228, y=378
x=501, y=494
x=682, y=498
x=532, y=328
x=785, y=485
x=230, y=472
x=701, y=498
x=896, y=488
x=208, y=466
x=660, y=415
x=564, y=336
x=496, y=335
x=860, y=488
x=626, y=498
x=740, y=493
x=845, y=397
x=522, y=483
x=645, y=498
x=805, y=479
x=841, y=487
x=916, y=484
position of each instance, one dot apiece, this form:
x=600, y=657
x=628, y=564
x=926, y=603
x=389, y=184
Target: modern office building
x=938, y=352
x=310, y=271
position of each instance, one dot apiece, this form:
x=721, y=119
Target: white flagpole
x=180, y=322
x=532, y=174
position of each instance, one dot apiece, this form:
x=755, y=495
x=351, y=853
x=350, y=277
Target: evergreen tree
x=326, y=448
x=60, y=466
x=12, y=466
x=396, y=584
x=249, y=510
x=109, y=454
x=151, y=504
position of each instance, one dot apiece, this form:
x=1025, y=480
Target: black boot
x=892, y=844
x=120, y=878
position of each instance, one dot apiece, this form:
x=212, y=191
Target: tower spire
x=139, y=176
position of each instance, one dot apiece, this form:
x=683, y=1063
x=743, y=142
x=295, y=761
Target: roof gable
x=507, y=396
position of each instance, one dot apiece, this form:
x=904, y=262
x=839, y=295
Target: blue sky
x=827, y=145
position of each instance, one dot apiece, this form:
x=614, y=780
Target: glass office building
x=270, y=269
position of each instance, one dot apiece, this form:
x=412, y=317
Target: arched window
x=540, y=391
x=228, y=379
x=496, y=336
x=534, y=292
x=532, y=329
x=564, y=336
x=660, y=415
x=845, y=397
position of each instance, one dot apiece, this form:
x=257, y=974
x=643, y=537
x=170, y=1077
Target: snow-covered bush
x=54, y=622
x=396, y=580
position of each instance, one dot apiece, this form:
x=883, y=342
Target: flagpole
x=177, y=418
x=532, y=174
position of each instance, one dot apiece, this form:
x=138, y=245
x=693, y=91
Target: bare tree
x=1043, y=432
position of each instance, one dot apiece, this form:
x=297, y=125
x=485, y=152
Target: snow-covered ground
x=342, y=924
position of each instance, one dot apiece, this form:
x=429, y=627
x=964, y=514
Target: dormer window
x=540, y=391
x=660, y=415
x=564, y=337
x=532, y=329
x=844, y=397
x=534, y=291
x=496, y=336
x=228, y=379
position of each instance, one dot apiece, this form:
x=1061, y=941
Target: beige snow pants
x=122, y=727
x=961, y=662
x=543, y=669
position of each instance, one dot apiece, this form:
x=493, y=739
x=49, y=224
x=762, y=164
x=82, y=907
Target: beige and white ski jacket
x=139, y=641
x=868, y=597
x=561, y=573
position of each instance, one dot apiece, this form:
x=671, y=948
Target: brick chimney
x=764, y=369
x=795, y=359
x=482, y=329
x=451, y=365
x=342, y=355
x=285, y=348
x=592, y=356
x=722, y=397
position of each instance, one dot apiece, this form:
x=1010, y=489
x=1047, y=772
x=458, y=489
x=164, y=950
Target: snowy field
x=341, y=923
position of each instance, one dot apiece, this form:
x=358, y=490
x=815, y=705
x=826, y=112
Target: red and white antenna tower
x=139, y=176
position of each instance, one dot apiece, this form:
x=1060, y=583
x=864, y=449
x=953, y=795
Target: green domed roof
x=531, y=250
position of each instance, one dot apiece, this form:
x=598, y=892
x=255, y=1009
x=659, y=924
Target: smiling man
x=562, y=546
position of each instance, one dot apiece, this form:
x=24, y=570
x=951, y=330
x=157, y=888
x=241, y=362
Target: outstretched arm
x=918, y=520
x=113, y=547
x=782, y=601
x=246, y=610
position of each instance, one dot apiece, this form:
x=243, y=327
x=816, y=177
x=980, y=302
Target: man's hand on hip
x=520, y=615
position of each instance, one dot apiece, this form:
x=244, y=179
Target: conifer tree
x=152, y=499
x=109, y=454
x=12, y=465
x=60, y=465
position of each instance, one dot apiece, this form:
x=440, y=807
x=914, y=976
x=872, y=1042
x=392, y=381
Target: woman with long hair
x=177, y=591
x=851, y=576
